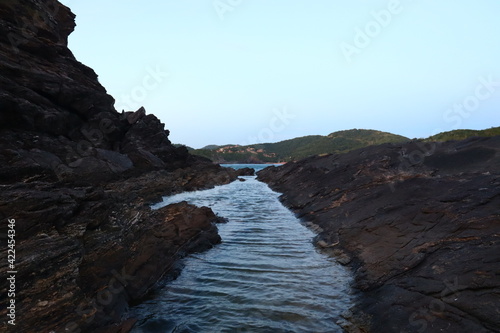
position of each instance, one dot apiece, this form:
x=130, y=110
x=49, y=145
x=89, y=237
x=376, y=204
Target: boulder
x=246, y=172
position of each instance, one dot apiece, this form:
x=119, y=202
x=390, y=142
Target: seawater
x=266, y=276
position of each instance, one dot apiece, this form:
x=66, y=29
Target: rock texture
x=419, y=224
x=78, y=178
x=56, y=119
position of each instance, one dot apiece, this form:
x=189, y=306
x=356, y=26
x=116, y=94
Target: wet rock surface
x=419, y=223
x=85, y=253
x=78, y=178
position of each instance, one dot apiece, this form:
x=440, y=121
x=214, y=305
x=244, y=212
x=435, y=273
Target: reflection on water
x=265, y=276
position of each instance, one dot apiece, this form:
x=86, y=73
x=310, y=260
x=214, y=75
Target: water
x=266, y=276
x=256, y=167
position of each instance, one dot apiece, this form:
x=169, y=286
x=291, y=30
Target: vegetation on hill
x=177, y=145
x=211, y=147
x=298, y=148
x=336, y=142
x=464, y=134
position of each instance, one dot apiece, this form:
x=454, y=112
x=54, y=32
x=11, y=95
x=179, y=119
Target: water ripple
x=265, y=276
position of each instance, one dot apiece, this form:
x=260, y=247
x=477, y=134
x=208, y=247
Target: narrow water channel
x=266, y=276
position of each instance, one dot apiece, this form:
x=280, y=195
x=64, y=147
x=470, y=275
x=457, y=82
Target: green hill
x=464, y=134
x=210, y=147
x=336, y=142
x=298, y=148
x=177, y=145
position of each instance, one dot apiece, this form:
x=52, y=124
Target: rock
x=116, y=162
x=133, y=117
x=141, y=255
x=55, y=113
x=246, y=172
x=145, y=159
x=73, y=241
x=123, y=327
x=79, y=178
x=418, y=223
x=221, y=219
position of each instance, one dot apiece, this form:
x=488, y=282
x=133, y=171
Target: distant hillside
x=298, y=148
x=177, y=145
x=211, y=147
x=464, y=134
x=336, y=142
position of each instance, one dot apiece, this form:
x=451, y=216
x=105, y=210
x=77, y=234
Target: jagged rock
x=72, y=241
x=133, y=117
x=417, y=222
x=69, y=253
x=78, y=179
x=46, y=95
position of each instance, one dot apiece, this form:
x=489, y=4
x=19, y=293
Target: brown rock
x=84, y=254
x=420, y=223
x=78, y=179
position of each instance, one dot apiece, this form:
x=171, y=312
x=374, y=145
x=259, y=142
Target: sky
x=254, y=71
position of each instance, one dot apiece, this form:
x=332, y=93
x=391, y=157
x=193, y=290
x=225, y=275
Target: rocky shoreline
x=419, y=223
x=76, y=182
x=85, y=253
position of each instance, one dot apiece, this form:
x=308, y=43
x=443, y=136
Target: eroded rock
x=78, y=179
x=418, y=222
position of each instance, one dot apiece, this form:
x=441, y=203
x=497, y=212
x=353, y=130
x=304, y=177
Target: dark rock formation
x=78, y=177
x=246, y=172
x=419, y=223
x=56, y=119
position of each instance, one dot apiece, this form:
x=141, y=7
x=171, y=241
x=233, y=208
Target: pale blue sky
x=247, y=71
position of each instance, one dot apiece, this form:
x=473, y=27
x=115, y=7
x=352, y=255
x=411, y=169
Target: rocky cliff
x=76, y=180
x=419, y=223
